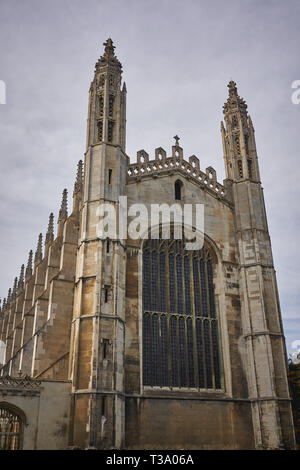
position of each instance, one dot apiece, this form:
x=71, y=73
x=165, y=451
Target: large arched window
x=180, y=322
x=11, y=427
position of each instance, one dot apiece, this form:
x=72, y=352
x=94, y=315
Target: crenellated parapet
x=163, y=165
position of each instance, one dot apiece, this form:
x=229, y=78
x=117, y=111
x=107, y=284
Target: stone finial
x=50, y=232
x=232, y=88
x=8, y=299
x=28, y=272
x=63, y=212
x=177, y=139
x=0, y=305
x=79, y=178
x=109, y=49
x=21, y=278
x=124, y=88
x=108, y=55
x=4, y=304
x=39, y=250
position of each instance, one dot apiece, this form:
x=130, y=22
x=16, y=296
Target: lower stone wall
x=45, y=408
x=158, y=423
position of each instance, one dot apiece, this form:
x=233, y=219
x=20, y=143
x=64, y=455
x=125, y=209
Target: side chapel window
x=178, y=187
x=11, y=428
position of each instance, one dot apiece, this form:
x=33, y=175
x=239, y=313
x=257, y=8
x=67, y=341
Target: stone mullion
x=199, y=257
x=178, y=351
x=193, y=316
x=210, y=323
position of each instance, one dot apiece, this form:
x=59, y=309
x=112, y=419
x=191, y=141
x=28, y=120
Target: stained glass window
x=180, y=322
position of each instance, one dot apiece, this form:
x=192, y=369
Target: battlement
x=163, y=164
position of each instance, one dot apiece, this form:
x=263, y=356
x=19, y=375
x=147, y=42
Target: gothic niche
x=240, y=168
x=237, y=145
x=111, y=105
x=101, y=105
x=100, y=130
x=249, y=162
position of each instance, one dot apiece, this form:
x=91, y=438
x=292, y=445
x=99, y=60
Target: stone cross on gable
x=176, y=140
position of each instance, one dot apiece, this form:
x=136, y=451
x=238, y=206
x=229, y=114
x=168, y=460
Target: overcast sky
x=178, y=57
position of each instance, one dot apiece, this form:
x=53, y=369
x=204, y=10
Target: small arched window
x=11, y=427
x=178, y=190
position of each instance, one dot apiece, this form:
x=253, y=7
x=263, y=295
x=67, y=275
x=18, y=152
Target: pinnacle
x=108, y=55
x=63, y=213
x=109, y=50
x=21, y=278
x=8, y=297
x=28, y=272
x=39, y=250
x=232, y=88
x=15, y=288
x=79, y=177
x=50, y=232
x=234, y=101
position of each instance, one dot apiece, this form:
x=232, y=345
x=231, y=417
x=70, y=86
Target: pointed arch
x=178, y=190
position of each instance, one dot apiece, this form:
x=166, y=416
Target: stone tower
x=97, y=341
x=265, y=356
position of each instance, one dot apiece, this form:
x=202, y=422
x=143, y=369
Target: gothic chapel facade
x=117, y=343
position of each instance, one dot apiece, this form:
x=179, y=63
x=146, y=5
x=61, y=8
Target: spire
x=28, y=272
x=238, y=139
x=50, y=232
x=79, y=178
x=39, y=250
x=124, y=88
x=63, y=213
x=21, y=278
x=15, y=288
x=234, y=102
